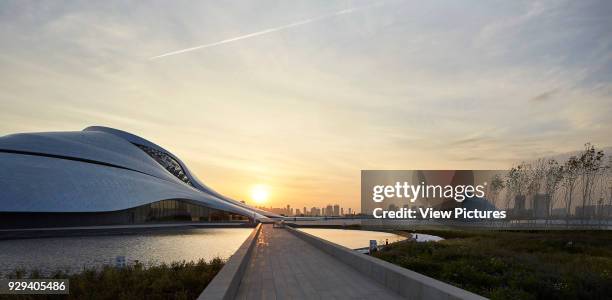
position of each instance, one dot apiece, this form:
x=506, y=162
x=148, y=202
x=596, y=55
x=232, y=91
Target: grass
x=178, y=280
x=514, y=265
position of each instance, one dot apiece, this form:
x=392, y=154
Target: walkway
x=284, y=266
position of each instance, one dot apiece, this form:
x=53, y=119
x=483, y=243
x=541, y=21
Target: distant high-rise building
x=315, y=211
x=559, y=212
x=519, y=202
x=329, y=210
x=587, y=211
x=350, y=211
x=541, y=205
x=336, y=210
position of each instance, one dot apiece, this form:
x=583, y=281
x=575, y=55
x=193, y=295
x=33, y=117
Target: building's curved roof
x=194, y=180
x=97, y=169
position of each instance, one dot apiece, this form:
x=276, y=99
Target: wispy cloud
x=408, y=84
x=543, y=97
x=267, y=31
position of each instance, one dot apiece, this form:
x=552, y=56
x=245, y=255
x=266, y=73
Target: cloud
x=403, y=86
x=266, y=31
x=543, y=97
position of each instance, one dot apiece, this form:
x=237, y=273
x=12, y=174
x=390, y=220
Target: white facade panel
x=96, y=170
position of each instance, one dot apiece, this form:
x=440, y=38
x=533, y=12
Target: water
x=72, y=254
x=421, y=237
x=353, y=239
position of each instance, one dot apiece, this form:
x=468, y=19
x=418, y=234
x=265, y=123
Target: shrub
x=514, y=265
x=178, y=280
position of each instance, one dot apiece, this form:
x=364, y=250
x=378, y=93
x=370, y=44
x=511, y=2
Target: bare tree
x=604, y=185
x=571, y=171
x=591, y=166
x=537, y=172
x=496, y=186
x=553, y=175
x=609, y=180
x=517, y=182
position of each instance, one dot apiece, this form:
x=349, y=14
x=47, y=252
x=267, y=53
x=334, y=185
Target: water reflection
x=421, y=237
x=353, y=239
x=74, y=253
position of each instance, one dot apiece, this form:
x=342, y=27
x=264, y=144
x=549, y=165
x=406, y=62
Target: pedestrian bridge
x=285, y=263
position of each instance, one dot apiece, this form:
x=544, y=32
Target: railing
x=404, y=282
x=522, y=224
x=225, y=285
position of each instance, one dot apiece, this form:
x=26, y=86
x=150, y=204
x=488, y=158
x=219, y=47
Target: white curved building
x=102, y=176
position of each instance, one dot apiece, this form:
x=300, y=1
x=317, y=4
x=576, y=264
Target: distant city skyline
x=329, y=210
x=391, y=85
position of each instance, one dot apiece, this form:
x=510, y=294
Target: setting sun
x=260, y=193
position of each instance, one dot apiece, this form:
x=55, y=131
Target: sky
x=317, y=90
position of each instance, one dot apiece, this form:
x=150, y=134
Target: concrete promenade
x=285, y=263
x=283, y=266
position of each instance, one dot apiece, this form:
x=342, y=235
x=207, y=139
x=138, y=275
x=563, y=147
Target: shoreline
x=59, y=232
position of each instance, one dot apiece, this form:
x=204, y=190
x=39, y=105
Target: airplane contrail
x=266, y=31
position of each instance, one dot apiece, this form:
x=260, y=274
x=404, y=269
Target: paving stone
x=284, y=266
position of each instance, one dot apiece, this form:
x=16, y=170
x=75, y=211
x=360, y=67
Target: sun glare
x=260, y=193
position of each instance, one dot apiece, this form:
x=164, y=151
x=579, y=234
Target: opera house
x=103, y=176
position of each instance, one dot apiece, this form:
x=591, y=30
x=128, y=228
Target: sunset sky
x=302, y=95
